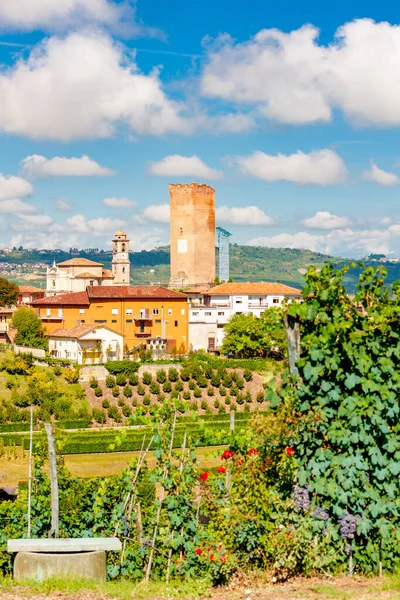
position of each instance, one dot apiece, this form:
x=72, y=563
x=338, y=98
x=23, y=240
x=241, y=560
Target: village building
x=76, y=274
x=149, y=316
x=5, y=323
x=86, y=344
x=210, y=310
x=28, y=294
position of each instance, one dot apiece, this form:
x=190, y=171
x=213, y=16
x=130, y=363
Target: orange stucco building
x=140, y=313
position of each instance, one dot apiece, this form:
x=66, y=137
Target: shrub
x=161, y=376
x=57, y=371
x=147, y=378
x=173, y=374
x=127, y=391
x=93, y=383
x=99, y=415
x=160, y=397
x=113, y=413
x=248, y=397
x=121, y=366
x=222, y=390
x=174, y=394
x=197, y=393
x=154, y=387
x=248, y=375
x=180, y=407
x=185, y=374
x=240, y=382
x=216, y=403
x=110, y=381
x=215, y=380
x=240, y=398
x=105, y=403
x=193, y=405
x=115, y=392
x=192, y=385
x=247, y=408
x=120, y=379
x=98, y=392
x=134, y=402
x=126, y=410
x=228, y=400
x=227, y=379
x=146, y=400
x=179, y=386
x=210, y=391
x=208, y=371
x=204, y=405
x=167, y=387
x=234, y=390
x=121, y=401
x=133, y=379
x=221, y=409
x=202, y=382
x=141, y=390
x=71, y=375
x=186, y=395
x=260, y=397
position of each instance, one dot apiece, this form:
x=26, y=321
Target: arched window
x=123, y=247
x=53, y=283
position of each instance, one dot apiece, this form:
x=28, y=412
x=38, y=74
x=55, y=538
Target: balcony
x=142, y=334
x=4, y=327
x=144, y=316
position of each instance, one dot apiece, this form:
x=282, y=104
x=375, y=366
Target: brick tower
x=192, y=235
x=120, y=260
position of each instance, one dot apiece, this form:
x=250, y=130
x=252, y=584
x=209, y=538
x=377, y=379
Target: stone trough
x=71, y=557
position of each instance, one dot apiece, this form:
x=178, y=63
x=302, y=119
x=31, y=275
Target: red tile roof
x=198, y=289
x=72, y=299
x=5, y=311
x=29, y=289
x=79, y=331
x=86, y=275
x=79, y=262
x=133, y=291
x=107, y=274
x=253, y=289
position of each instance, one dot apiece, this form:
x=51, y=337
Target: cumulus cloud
x=160, y=213
x=380, y=176
x=119, y=202
x=320, y=167
x=32, y=222
x=63, y=204
x=325, y=220
x=13, y=187
x=15, y=206
x=247, y=215
x=184, y=166
x=60, y=166
x=291, y=78
x=79, y=224
x=82, y=86
x=339, y=242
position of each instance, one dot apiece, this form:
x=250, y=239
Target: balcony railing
x=4, y=327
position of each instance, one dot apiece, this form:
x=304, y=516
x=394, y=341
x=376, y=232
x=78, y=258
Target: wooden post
x=292, y=325
x=30, y=471
x=173, y=531
x=53, y=480
x=232, y=421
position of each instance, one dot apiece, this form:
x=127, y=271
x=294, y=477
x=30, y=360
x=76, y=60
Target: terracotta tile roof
x=5, y=311
x=79, y=262
x=253, y=289
x=198, y=289
x=72, y=299
x=86, y=275
x=12, y=334
x=132, y=291
x=107, y=274
x=74, y=332
x=29, y=289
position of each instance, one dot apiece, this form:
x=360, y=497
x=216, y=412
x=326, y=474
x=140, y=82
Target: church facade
x=76, y=274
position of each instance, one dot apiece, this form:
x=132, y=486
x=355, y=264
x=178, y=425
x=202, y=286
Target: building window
x=114, y=311
x=141, y=325
x=100, y=320
x=81, y=321
x=48, y=312
x=81, y=311
x=207, y=313
x=239, y=301
x=195, y=313
x=156, y=311
x=53, y=283
x=158, y=320
x=176, y=323
x=221, y=314
x=123, y=269
x=113, y=320
x=129, y=320
x=275, y=300
x=220, y=326
x=129, y=311
x=60, y=312
x=170, y=311
x=182, y=311
x=91, y=282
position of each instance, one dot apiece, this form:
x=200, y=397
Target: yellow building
x=151, y=314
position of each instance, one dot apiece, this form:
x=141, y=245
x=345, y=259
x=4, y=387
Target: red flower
x=289, y=451
x=227, y=454
x=221, y=470
x=199, y=551
x=204, y=476
x=252, y=451
x=212, y=556
x=223, y=559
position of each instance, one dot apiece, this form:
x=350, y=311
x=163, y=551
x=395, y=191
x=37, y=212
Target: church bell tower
x=120, y=260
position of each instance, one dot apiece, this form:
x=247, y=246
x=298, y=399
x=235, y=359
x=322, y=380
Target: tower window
x=53, y=283
x=91, y=282
x=123, y=247
x=123, y=269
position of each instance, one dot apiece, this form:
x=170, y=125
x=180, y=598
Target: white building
x=211, y=310
x=86, y=344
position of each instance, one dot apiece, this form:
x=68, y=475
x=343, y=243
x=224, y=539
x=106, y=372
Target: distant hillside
x=248, y=263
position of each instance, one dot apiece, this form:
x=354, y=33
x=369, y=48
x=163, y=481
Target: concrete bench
x=63, y=557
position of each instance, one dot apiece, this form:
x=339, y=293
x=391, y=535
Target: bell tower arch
x=121, y=266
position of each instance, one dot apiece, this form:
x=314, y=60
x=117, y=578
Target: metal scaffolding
x=223, y=254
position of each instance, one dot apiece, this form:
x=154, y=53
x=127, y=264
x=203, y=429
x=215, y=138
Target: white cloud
x=385, y=221
x=60, y=166
x=291, y=78
x=32, y=222
x=78, y=224
x=380, y=176
x=160, y=213
x=15, y=206
x=321, y=167
x=63, y=204
x=234, y=123
x=325, y=220
x=119, y=202
x=12, y=187
x=339, y=242
x=247, y=215
x=83, y=86
x=184, y=166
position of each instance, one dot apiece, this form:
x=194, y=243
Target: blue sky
x=289, y=110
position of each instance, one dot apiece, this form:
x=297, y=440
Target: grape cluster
x=347, y=525
x=320, y=513
x=301, y=497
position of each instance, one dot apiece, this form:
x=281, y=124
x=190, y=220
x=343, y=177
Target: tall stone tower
x=192, y=235
x=121, y=266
